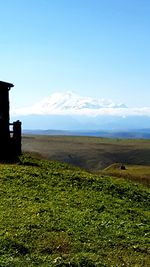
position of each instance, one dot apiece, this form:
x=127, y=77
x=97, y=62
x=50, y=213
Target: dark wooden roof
x=5, y=84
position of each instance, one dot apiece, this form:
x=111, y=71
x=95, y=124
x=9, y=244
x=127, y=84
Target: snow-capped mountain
x=69, y=111
x=69, y=102
x=72, y=101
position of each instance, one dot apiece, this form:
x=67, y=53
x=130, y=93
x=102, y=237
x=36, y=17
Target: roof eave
x=5, y=84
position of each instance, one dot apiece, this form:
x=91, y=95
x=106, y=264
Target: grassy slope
x=52, y=214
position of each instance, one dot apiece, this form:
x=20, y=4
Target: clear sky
x=98, y=48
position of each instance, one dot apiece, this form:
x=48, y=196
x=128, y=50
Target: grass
x=137, y=173
x=54, y=214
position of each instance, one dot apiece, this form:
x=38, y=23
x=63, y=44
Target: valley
x=91, y=153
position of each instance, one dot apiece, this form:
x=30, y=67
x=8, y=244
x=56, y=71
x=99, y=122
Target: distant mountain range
x=69, y=111
x=138, y=133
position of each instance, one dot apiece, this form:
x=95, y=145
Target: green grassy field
x=54, y=214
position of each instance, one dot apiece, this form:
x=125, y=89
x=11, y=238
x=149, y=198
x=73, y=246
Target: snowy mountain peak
x=70, y=100
x=69, y=103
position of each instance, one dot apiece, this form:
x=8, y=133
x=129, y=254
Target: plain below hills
x=90, y=153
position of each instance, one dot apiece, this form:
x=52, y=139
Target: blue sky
x=97, y=48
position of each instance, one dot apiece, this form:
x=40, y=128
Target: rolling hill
x=54, y=214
